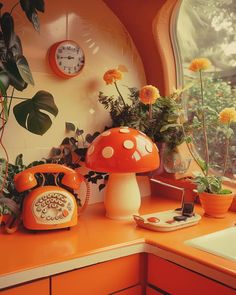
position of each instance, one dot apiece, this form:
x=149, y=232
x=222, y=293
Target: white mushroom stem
x=122, y=196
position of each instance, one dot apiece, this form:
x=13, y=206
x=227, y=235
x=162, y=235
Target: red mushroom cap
x=122, y=150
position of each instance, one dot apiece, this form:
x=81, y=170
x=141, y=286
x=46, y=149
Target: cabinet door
x=136, y=290
x=40, y=287
x=175, y=279
x=100, y=279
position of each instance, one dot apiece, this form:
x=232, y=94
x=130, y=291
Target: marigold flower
x=112, y=76
x=148, y=94
x=199, y=64
x=227, y=115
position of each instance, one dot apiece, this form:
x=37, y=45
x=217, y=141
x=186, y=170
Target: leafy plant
x=15, y=72
x=205, y=119
x=218, y=95
x=210, y=184
x=72, y=152
x=10, y=199
x=149, y=116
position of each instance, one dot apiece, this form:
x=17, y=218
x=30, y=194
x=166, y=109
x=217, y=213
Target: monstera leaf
x=32, y=113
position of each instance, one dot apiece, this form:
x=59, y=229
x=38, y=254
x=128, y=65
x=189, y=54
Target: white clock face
x=69, y=58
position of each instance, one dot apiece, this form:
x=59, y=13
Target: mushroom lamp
x=122, y=152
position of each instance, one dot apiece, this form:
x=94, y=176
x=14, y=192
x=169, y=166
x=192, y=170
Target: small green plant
x=210, y=184
x=206, y=119
x=10, y=199
x=72, y=152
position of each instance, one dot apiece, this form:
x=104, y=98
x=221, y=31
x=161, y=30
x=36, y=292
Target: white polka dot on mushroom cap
x=128, y=144
x=107, y=152
x=124, y=130
x=136, y=156
x=148, y=147
x=106, y=133
x=91, y=149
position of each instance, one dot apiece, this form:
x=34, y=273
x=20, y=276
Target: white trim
x=106, y=255
x=68, y=265
x=175, y=45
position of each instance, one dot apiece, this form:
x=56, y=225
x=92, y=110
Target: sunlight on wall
x=106, y=45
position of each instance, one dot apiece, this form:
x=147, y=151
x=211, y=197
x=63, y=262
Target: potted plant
x=146, y=110
x=11, y=201
x=215, y=199
x=32, y=114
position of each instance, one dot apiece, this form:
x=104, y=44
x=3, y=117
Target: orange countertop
x=96, y=234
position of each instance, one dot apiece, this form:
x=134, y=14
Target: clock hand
x=69, y=57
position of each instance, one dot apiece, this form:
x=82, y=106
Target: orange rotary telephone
x=50, y=206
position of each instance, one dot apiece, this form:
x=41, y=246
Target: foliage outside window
x=207, y=29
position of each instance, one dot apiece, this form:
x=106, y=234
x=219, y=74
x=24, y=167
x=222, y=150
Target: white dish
x=221, y=243
x=164, y=218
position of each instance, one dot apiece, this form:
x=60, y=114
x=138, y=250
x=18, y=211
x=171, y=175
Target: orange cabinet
x=136, y=290
x=100, y=279
x=35, y=288
x=151, y=291
x=174, y=279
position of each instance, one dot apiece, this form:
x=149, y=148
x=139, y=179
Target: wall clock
x=66, y=58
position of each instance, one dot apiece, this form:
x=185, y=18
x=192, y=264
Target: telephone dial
x=49, y=206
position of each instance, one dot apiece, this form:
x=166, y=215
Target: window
x=207, y=29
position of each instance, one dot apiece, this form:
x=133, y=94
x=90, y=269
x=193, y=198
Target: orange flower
x=112, y=76
x=199, y=64
x=227, y=116
x=148, y=94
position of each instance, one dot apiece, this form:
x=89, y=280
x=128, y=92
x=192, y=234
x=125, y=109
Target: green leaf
x=39, y=5
x=188, y=139
x=24, y=70
x=35, y=21
x=79, y=131
x=30, y=8
x=31, y=115
x=101, y=186
x=7, y=26
x=13, y=73
x=16, y=49
x=202, y=164
x=4, y=82
x=225, y=191
x=164, y=128
x=25, y=5
x=70, y=126
x=19, y=160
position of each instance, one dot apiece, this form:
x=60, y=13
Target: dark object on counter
x=180, y=218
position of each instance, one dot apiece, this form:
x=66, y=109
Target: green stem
x=12, y=93
x=14, y=6
x=226, y=153
x=204, y=125
x=191, y=152
x=150, y=112
x=120, y=94
x=16, y=97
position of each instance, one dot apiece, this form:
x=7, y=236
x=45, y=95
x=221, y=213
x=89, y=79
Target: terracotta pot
x=216, y=205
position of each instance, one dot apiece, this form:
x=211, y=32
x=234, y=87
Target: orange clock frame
x=52, y=58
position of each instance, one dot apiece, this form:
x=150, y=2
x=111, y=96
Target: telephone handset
x=50, y=206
